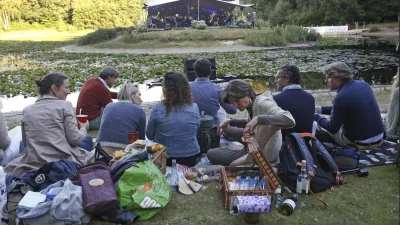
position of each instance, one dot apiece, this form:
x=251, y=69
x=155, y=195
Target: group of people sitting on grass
x=51, y=132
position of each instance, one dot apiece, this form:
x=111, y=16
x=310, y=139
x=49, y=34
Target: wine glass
x=133, y=136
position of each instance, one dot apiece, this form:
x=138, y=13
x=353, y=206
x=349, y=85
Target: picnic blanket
x=384, y=155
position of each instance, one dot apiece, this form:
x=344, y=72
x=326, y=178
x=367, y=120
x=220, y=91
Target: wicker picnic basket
x=159, y=158
x=228, y=174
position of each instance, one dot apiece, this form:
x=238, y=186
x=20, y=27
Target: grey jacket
x=65, y=208
x=268, y=134
x=50, y=133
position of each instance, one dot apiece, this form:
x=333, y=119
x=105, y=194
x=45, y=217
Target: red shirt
x=94, y=96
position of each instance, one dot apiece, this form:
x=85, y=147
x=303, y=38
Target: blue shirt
x=354, y=109
x=118, y=119
x=177, y=130
x=207, y=96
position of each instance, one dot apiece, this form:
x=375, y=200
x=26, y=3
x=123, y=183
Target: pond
x=18, y=71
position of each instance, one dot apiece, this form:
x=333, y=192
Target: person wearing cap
x=294, y=99
x=95, y=95
x=355, y=118
x=207, y=94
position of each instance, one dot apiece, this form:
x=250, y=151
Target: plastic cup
x=82, y=118
x=133, y=136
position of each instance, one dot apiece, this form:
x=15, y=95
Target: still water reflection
x=315, y=80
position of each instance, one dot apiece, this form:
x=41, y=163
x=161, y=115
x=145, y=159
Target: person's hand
x=316, y=109
x=84, y=125
x=317, y=117
x=251, y=126
x=222, y=126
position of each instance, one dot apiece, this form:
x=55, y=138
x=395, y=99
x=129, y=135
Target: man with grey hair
x=355, y=119
x=207, y=94
x=95, y=95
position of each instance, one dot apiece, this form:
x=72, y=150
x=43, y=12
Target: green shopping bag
x=143, y=189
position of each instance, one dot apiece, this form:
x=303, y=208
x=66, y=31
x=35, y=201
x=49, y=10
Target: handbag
x=101, y=156
x=99, y=194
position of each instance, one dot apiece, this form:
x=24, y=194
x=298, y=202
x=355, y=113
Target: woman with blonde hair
x=174, y=122
x=122, y=117
x=391, y=120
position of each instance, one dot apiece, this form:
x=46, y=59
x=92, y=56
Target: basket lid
x=262, y=162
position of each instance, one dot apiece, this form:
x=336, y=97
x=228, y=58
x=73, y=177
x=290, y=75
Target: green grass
x=363, y=200
x=188, y=35
x=41, y=35
x=153, y=44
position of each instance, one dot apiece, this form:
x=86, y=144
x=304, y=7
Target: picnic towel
x=384, y=155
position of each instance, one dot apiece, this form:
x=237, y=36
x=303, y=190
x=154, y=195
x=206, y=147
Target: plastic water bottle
x=3, y=197
x=173, y=179
x=237, y=183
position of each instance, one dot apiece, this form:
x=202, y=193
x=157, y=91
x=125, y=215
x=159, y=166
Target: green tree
x=45, y=12
x=94, y=14
x=9, y=10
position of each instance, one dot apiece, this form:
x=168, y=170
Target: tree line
x=94, y=14
x=81, y=14
x=326, y=12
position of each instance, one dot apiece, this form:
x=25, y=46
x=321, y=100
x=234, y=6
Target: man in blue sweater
x=355, y=119
x=294, y=99
x=207, y=94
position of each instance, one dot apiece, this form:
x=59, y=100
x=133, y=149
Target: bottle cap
x=278, y=190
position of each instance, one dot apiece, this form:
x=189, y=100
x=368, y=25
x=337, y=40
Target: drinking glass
x=133, y=136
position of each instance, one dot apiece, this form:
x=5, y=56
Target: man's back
x=355, y=105
x=302, y=107
x=93, y=96
x=206, y=95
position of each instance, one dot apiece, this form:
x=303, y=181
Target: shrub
x=98, y=36
x=262, y=23
x=196, y=23
x=264, y=38
x=245, y=25
x=374, y=28
x=20, y=25
x=141, y=28
x=201, y=26
x=313, y=35
x=294, y=34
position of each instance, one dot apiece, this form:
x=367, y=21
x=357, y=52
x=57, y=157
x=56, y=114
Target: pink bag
x=99, y=194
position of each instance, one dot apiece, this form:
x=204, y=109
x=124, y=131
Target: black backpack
x=321, y=168
x=207, y=134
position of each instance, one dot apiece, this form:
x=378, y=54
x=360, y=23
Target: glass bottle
x=173, y=179
x=278, y=198
x=302, y=181
x=237, y=183
x=264, y=182
x=247, y=183
x=288, y=206
x=257, y=183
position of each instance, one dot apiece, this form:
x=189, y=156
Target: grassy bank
x=210, y=36
x=363, y=200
